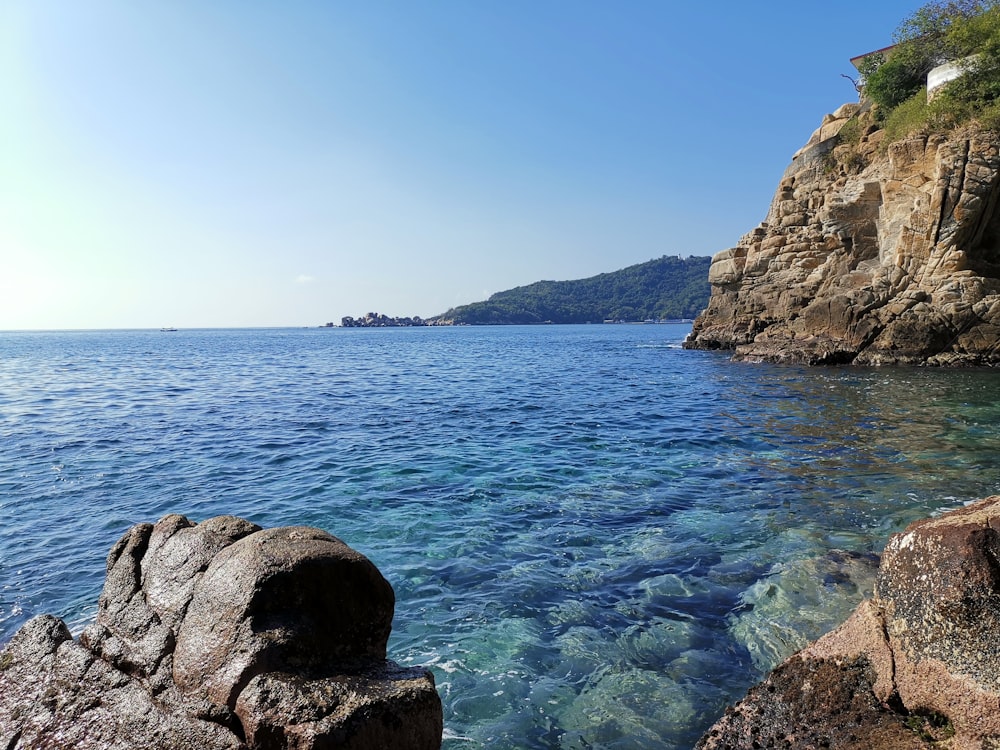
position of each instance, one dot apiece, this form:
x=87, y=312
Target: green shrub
x=957, y=28
x=979, y=85
x=850, y=132
x=847, y=157
x=918, y=116
x=907, y=118
x=989, y=117
x=898, y=78
x=935, y=33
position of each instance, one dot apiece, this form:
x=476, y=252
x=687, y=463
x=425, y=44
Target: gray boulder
x=221, y=635
x=54, y=693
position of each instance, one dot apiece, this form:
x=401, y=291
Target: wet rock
x=807, y=703
x=917, y=664
x=219, y=635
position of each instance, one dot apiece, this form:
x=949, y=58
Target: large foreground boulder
x=916, y=666
x=221, y=635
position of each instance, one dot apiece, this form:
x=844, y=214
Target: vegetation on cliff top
x=963, y=31
x=665, y=288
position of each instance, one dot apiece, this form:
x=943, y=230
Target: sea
x=597, y=539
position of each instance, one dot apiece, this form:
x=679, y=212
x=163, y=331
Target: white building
x=936, y=78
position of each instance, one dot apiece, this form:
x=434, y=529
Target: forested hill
x=665, y=288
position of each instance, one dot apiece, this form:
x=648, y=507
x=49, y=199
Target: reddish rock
x=56, y=694
x=372, y=709
x=939, y=591
x=813, y=703
x=916, y=665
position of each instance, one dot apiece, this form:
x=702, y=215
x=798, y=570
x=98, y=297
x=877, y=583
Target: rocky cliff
x=221, y=635
x=916, y=666
x=871, y=253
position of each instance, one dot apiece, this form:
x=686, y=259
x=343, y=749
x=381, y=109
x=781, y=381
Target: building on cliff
x=859, y=60
x=937, y=77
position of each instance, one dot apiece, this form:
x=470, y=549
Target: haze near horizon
x=260, y=164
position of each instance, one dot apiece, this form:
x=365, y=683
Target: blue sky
x=249, y=163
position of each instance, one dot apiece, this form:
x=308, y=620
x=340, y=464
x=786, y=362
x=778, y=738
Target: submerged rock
x=789, y=606
x=868, y=255
x=917, y=664
x=221, y=635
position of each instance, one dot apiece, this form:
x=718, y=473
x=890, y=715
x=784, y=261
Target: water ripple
x=596, y=538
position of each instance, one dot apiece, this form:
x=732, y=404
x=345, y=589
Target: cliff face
x=869, y=255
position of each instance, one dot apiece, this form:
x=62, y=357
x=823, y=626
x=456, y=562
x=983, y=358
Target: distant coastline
x=666, y=289
x=377, y=320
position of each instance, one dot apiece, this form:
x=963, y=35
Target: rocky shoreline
x=225, y=635
x=915, y=666
x=221, y=635
x=378, y=320
x=871, y=254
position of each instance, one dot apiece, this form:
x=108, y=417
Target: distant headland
x=666, y=288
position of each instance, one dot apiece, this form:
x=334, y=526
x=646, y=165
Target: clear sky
x=251, y=163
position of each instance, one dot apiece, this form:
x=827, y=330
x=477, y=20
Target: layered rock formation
x=221, y=635
x=870, y=254
x=915, y=666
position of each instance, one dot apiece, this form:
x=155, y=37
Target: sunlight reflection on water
x=596, y=538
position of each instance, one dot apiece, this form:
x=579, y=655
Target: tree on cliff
x=965, y=31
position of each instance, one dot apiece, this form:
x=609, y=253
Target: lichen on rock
x=915, y=665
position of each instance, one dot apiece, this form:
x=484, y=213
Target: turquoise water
x=596, y=538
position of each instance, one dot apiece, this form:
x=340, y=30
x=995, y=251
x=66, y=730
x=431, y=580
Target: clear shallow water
x=596, y=538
